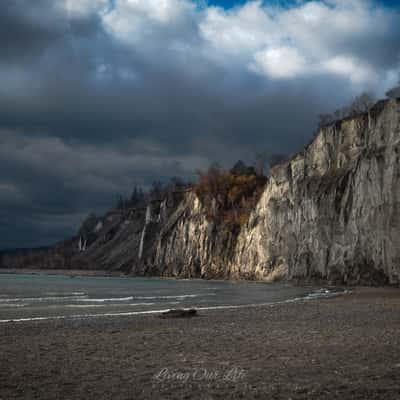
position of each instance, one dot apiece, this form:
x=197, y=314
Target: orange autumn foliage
x=228, y=197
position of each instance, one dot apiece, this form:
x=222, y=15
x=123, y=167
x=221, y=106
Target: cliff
x=331, y=213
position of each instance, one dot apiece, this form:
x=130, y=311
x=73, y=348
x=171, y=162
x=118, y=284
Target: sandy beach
x=338, y=348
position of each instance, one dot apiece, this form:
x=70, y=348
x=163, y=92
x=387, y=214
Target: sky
x=97, y=96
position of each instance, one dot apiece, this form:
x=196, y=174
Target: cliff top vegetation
x=230, y=195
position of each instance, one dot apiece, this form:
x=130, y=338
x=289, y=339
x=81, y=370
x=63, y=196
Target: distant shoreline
x=103, y=273
x=67, y=272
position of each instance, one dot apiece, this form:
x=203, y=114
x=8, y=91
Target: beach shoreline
x=66, y=272
x=341, y=347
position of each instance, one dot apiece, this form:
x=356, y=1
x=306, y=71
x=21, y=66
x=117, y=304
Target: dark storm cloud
x=25, y=29
x=28, y=29
x=96, y=96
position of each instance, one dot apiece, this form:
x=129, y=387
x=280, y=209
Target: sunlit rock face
x=332, y=212
x=189, y=245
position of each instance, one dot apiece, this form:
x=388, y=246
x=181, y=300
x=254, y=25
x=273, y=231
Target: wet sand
x=346, y=347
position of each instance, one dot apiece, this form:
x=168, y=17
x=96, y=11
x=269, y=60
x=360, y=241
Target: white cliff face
x=190, y=246
x=332, y=212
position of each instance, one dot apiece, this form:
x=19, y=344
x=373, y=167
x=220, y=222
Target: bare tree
x=214, y=172
x=261, y=159
x=155, y=191
x=120, y=204
x=361, y=104
x=325, y=119
x=137, y=197
x=275, y=159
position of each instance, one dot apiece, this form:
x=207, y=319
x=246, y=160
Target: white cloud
x=280, y=62
x=132, y=20
x=310, y=38
x=239, y=31
x=349, y=67
x=159, y=10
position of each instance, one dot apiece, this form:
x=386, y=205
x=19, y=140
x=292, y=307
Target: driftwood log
x=179, y=313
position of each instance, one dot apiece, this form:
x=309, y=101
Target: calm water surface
x=26, y=296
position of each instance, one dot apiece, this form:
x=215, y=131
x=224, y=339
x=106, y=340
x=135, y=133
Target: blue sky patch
x=287, y=3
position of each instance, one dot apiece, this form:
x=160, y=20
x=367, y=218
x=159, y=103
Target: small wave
x=12, y=305
x=182, y=296
x=319, y=294
x=82, y=297
x=129, y=298
x=323, y=292
x=106, y=300
x=50, y=298
x=84, y=316
x=63, y=294
x=106, y=305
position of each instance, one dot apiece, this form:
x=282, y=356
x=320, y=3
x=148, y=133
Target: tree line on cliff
x=359, y=105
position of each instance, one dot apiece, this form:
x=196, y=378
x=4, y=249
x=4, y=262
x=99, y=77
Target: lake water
x=37, y=297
